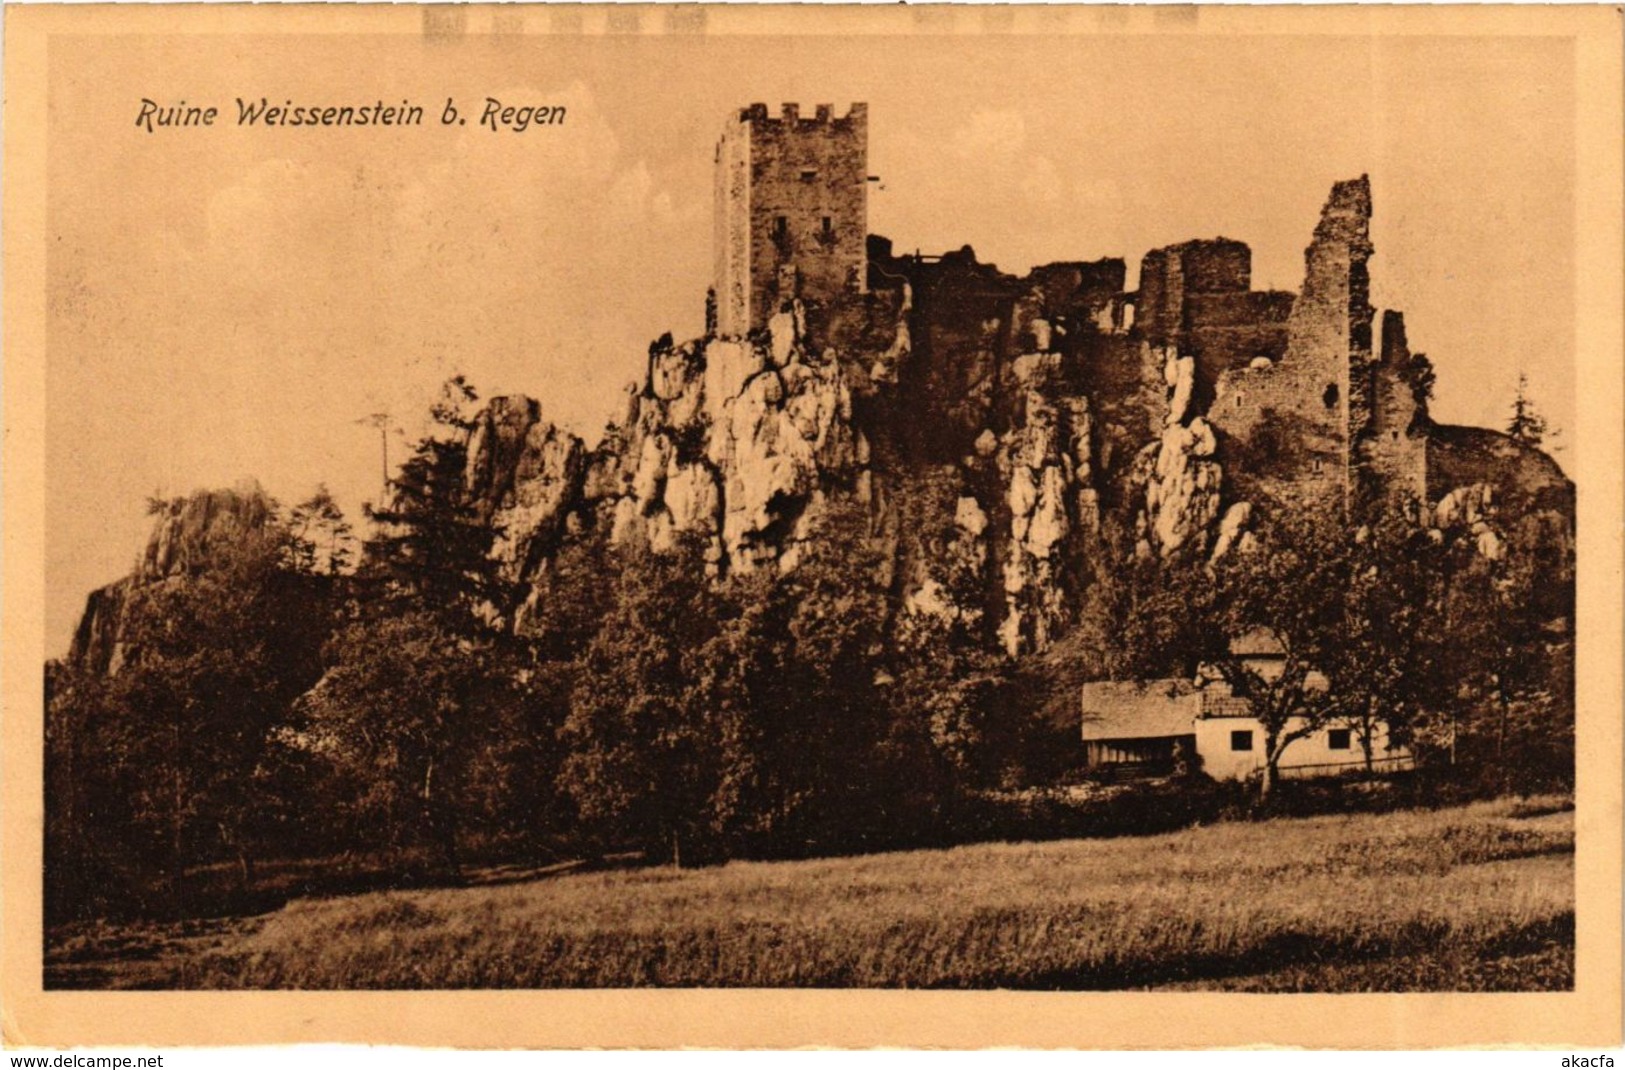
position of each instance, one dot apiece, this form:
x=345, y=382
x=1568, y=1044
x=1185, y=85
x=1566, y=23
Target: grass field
x=1469, y=898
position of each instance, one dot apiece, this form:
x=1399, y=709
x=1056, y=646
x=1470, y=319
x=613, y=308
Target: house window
x=1241, y=739
x=829, y=229
x=1337, y=739
x=808, y=174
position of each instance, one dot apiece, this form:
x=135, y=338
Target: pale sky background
x=228, y=303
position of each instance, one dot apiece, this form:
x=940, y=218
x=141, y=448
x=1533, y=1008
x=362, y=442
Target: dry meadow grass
x=1468, y=898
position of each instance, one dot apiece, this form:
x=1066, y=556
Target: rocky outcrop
x=733, y=441
x=1182, y=479
x=1498, y=491
x=1002, y=430
x=1525, y=479
x=1233, y=531
x=523, y=476
x=1045, y=466
x=98, y=641
x=188, y=535
x=778, y=442
x=1470, y=510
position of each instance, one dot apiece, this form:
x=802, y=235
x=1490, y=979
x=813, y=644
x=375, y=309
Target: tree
x=169, y=755
x=652, y=710
x=842, y=764
x=410, y=707
x=1509, y=674
x=421, y=681
x=431, y=549
x=1162, y=620
x=1526, y=425
x=1422, y=377
x=320, y=537
x=86, y=863
x=1382, y=660
x=751, y=717
x=1290, y=589
x=570, y=598
x=961, y=696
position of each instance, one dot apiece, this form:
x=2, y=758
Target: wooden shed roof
x=1126, y=709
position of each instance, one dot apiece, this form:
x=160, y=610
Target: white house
x=1230, y=744
x=1144, y=727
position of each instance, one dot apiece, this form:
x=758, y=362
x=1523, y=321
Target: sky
x=230, y=303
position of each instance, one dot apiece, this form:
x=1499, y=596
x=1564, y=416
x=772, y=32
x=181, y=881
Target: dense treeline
x=280, y=704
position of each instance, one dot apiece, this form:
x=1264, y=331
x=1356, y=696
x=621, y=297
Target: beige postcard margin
x=1589, y=1016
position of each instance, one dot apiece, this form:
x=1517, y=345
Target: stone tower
x=791, y=211
x=1311, y=404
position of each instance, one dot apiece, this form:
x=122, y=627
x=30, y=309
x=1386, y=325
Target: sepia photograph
x=1030, y=500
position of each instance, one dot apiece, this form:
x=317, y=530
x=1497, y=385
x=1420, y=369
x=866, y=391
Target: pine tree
x=431, y=549
x=1527, y=425
x=419, y=686
x=321, y=539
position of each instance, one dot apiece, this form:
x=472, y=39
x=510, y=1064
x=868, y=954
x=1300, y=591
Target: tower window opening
x=808, y=174
x=828, y=228
x=1330, y=396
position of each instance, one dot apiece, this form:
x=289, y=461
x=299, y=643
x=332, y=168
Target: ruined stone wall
x=1123, y=378
x=1230, y=331
x=1217, y=266
x=792, y=219
x=1079, y=297
x=1237, y=309
x=962, y=328
x=730, y=221
x=1392, y=450
x=1195, y=297
x=1287, y=421
x=1159, y=306
x=1169, y=275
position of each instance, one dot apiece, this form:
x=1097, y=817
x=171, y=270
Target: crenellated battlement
x=790, y=116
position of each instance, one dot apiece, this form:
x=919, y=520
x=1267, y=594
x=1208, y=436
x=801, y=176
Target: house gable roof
x=1257, y=643
x=1127, y=709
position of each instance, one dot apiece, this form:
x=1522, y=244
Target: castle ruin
x=1072, y=408
x=1004, y=433
x=792, y=212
